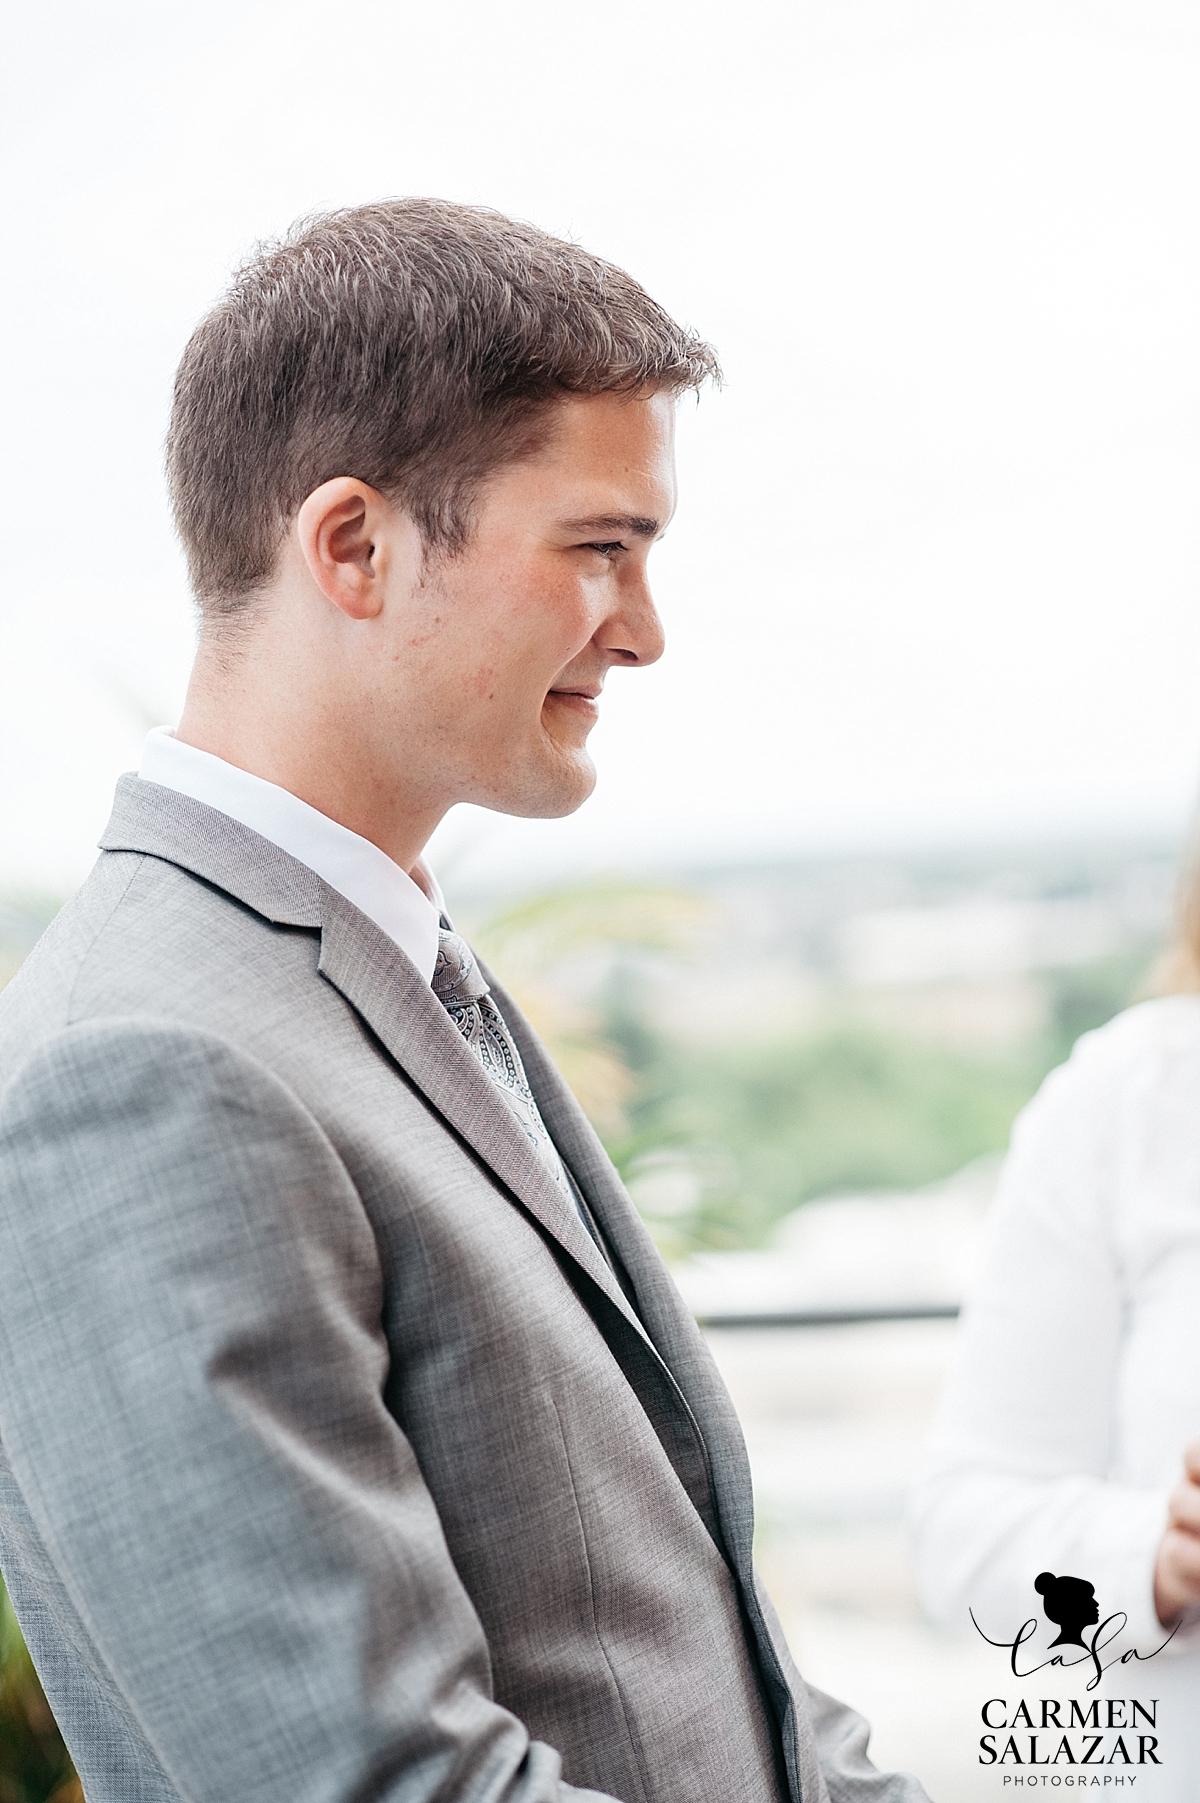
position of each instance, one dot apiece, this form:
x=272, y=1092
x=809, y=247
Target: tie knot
x=457, y=978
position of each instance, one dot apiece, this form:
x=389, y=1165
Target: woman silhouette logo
x=1070, y=1603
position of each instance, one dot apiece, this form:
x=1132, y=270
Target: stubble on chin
x=548, y=787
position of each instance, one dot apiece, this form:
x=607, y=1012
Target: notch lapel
x=402, y=1011
x=373, y=975
x=400, y=1008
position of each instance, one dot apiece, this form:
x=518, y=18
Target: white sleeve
x=1015, y=1479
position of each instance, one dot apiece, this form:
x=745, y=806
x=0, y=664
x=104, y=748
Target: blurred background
x=897, y=816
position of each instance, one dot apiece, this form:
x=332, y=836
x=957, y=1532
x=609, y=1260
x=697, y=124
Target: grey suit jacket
x=336, y=1463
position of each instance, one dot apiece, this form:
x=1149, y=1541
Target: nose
x=632, y=634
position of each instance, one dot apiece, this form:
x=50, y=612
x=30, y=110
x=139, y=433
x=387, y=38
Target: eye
x=607, y=547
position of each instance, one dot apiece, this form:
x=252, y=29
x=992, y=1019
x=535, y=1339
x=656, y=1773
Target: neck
x=262, y=711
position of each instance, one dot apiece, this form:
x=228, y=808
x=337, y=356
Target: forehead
x=612, y=426
x=604, y=454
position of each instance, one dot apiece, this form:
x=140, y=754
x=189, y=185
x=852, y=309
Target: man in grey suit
x=354, y=1443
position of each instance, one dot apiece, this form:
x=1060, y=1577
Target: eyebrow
x=633, y=524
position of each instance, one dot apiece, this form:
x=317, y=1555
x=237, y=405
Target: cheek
x=505, y=638
x=537, y=638
x=514, y=667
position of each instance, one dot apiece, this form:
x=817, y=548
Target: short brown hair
x=410, y=343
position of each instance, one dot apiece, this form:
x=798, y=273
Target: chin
x=547, y=794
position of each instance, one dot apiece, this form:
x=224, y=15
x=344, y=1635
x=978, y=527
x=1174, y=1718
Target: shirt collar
x=350, y=864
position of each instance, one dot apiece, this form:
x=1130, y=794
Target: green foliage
x=764, y=1127
x=1086, y=995
x=35, y=1766
x=723, y=1141
x=851, y=1109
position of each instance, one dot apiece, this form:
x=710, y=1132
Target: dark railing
x=836, y=1317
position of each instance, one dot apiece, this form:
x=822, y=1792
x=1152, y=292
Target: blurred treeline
x=719, y=1134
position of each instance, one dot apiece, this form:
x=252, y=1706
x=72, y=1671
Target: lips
x=582, y=701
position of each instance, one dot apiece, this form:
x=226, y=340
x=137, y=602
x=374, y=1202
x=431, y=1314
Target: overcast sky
x=936, y=570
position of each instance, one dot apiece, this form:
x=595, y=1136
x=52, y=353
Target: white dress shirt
x=366, y=876
x=1063, y=1429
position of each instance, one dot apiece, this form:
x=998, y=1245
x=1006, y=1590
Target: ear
x=343, y=530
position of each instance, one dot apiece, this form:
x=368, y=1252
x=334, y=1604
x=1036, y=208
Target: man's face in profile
x=500, y=653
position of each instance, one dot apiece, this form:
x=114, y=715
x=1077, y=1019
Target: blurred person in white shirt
x=1068, y=1440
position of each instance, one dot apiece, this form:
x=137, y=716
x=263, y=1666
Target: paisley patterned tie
x=460, y=986
x=462, y=989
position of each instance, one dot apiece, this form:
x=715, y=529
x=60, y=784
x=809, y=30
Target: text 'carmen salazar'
x=1105, y=1731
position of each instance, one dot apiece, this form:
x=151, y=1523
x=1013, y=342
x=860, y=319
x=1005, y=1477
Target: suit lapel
x=382, y=986
x=161, y=823
x=657, y=1342
x=379, y=983
x=402, y=1011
